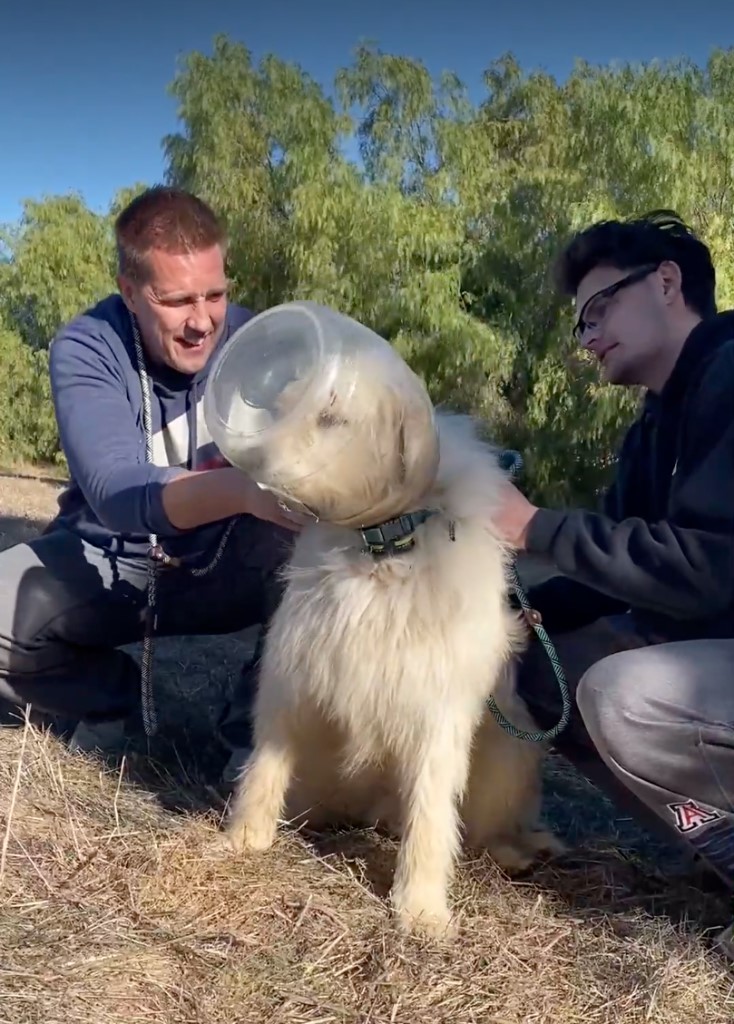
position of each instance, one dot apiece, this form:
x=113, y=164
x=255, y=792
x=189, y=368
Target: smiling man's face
x=180, y=306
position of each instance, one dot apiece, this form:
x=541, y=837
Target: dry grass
x=116, y=906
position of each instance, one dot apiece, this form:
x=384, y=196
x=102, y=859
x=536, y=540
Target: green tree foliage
x=442, y=236
x=27, y=424
x=56, y=262
x=251, y=136
x=59, y=261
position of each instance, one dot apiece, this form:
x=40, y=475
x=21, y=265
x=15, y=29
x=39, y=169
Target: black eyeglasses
x=595, y=307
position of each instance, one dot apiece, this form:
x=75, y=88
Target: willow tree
x=27, y=424
x=443, y=235
x=265, y=145
x=58, y=261
x=606, y=143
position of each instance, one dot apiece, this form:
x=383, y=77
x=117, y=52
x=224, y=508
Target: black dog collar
x=396, y=536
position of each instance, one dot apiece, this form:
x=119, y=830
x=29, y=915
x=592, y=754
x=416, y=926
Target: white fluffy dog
x=371, y=703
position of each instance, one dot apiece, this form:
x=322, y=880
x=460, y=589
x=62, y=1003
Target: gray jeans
x=652, y=725
x=67, y=607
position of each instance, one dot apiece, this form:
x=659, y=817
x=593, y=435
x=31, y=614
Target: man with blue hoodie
x=72, y=597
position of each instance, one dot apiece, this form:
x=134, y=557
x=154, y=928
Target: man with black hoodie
x=642, y=611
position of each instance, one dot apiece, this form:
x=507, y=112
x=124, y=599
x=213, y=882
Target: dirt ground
x=116, y=906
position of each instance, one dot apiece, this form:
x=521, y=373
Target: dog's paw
x=430, y=919
x=520, y=852
x=242, y=836
x=544, y=843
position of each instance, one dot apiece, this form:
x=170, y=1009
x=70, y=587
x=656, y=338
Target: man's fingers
x=289, y=524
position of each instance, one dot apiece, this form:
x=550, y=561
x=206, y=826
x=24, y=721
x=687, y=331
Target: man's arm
x=566, y=604
x=106, y=456
x=194, y=498
x=683, y=566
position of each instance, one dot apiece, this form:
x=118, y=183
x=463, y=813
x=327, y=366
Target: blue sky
x=83, y=102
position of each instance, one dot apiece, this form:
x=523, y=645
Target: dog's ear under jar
x=322, y=411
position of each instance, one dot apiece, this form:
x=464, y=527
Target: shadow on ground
x=18, y=529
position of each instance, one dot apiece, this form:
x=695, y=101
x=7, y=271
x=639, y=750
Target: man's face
x=180, y=306
x=622, y=320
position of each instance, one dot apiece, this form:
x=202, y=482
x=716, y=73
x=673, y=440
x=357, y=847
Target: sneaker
x=234, y=765
x=724, y=942
x=13, y=717
x=99, y=737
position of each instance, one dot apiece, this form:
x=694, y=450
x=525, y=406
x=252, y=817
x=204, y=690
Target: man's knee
x=58, y=631
x=58, y=588
x=639, y=707
x=612, y=700
x=661, y=720
x=576, y=650
x=26, y=603
x=35, y=606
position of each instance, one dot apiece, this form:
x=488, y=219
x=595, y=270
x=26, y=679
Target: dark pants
x=66, y=608
x=652, y=726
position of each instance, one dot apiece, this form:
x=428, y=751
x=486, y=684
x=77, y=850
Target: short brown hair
x=164, y=218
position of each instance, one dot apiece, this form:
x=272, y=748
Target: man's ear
x=127, y=291
x=672, y=279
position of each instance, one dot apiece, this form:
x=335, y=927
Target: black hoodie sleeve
x=567, y=604
x=683, y=566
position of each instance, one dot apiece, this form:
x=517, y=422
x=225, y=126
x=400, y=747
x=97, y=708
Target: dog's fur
x=371, y=701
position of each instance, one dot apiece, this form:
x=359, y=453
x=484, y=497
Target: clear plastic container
x=302, y=397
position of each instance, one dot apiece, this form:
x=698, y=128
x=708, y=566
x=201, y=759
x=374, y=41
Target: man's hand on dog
x=259, y=502
x=264, y=505
x=512, y=518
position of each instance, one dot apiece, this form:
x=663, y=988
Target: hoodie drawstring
x=156, y=555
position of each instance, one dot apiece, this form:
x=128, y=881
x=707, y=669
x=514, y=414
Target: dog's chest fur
x=379, y=644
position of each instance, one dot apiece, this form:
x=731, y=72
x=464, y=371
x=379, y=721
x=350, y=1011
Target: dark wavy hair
x=658, y=236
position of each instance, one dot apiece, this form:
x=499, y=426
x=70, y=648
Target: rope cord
x=156, y=556
x=513, y=462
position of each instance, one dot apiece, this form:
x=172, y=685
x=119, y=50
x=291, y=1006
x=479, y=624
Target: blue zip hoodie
x=114, y=500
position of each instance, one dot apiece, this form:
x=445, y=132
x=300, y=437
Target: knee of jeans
x=39, y=599
x=32, y=642
x=27, y=660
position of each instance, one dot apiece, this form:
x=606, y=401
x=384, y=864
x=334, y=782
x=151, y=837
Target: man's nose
x=199, y=319
x=589, y=335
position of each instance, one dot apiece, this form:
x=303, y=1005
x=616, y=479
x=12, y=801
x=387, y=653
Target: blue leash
x=512, y=462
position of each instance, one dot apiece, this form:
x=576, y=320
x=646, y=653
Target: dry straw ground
x=115, y=906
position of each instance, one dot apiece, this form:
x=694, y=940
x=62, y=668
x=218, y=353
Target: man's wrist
x=541, y=530
x=199, y=497
x=522, y=540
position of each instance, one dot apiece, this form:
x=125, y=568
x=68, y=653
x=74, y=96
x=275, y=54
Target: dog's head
x=361, y=452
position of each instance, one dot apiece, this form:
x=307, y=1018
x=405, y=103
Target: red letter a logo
x=689, y=815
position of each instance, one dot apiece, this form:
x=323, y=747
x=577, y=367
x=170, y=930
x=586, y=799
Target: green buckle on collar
x=395, y=536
